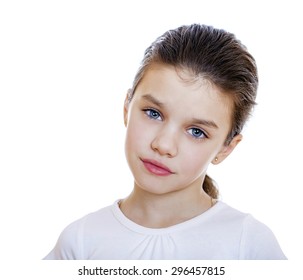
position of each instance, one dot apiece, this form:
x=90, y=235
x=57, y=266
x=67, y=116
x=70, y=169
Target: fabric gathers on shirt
x=220, y=233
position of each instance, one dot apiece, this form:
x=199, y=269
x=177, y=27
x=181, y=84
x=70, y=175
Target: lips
x=156, y=168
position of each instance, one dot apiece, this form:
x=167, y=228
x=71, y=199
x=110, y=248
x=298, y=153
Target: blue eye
x=197, y=133
x=153, y=114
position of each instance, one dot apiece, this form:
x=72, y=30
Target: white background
x=65, y=68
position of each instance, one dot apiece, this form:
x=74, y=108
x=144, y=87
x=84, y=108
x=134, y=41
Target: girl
x=189, y=101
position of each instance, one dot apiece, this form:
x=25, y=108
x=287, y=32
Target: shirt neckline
x=159, y=231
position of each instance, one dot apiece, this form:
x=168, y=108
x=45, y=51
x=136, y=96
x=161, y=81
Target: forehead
x=191, y=96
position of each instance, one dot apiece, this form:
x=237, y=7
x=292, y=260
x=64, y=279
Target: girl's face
x=176, y=127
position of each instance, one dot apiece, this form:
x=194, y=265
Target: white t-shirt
x=220, y=233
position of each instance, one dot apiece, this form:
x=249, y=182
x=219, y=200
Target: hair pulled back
x=216, y=55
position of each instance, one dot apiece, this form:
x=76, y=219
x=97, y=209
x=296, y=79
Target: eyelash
x=203, y=134
x=150, y=111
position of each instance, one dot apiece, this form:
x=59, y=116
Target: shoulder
x=70, y=242
x=227, y=215
x=259, y=242
x=256, y=240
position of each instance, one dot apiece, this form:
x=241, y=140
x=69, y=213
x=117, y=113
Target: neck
x=164, y=210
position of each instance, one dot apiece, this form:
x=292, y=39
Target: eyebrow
x=153, y=100
x=208, y=123
x=160, y=104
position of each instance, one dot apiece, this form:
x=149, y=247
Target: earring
x=216, y=159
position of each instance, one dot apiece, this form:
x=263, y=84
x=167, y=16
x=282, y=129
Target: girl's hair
x=213, y=54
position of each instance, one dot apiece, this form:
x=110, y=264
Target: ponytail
x=210, y=188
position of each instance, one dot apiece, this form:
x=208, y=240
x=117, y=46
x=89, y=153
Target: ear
x=126, y=106
x=227, y=149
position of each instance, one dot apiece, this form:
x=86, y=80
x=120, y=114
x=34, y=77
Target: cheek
x=137, y=136
x=196, y=160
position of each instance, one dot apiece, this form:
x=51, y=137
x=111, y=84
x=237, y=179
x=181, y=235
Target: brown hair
x=216, y=55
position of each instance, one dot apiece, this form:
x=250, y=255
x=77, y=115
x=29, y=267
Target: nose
x=165, y=143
